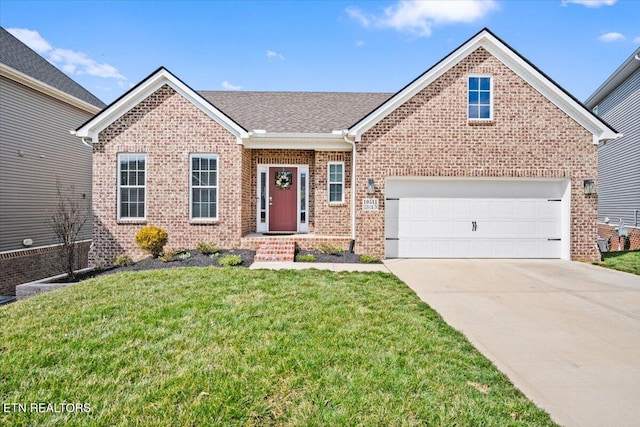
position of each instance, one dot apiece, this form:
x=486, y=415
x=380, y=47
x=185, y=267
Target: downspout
x=86, y=143
x=345, y=135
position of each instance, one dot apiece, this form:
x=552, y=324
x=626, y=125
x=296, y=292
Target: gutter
x=345, y=136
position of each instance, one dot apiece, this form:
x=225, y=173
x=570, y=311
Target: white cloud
x=591, y=3
x=229, y=86
x=611, y=37
x=359, y=43
x=273, y=54
x=418, y=17
x=31, y=38
x=636, y=40
x=69, y=61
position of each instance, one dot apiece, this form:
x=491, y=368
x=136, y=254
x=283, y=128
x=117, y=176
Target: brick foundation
x=33, y=264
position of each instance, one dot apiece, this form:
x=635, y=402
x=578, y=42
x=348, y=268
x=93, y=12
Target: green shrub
x=168, y=255
x=123, y=260
x=214, y=256
x=230, y=260
x=185, y=255
x=207, y=248
x=305, y=258
x=368, y=259
x=330, y=249
x=152, y=239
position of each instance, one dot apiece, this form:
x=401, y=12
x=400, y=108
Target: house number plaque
x=369, y=204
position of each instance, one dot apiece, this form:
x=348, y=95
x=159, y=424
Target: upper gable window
x=480, y=98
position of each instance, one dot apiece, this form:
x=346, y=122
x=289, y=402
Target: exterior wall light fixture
x=371, y=186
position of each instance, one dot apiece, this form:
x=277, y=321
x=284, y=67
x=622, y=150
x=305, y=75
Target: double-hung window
x=480, y=98
x=204, y=186
x=335, y=182
x=131, y=185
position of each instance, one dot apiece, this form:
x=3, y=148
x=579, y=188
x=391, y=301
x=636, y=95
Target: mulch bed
x=336, y=259
x=198, y=259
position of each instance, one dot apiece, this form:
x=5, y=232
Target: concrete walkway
x=287, y=265
x=566, y=333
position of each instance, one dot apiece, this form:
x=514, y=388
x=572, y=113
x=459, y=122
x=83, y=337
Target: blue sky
x=371, y=46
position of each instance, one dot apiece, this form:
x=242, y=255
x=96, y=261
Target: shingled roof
x=295, y=112
x=20, y=57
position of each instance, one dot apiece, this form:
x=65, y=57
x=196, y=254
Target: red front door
x=283, y=199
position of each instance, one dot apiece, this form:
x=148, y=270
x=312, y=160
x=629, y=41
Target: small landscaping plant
x=368, y=259
x=152, y=239
x=123, y=260
x=168, y=255
x=330, y=249
x=207, y=248
x=305, y=258
x=185, y=255
x=230, y=260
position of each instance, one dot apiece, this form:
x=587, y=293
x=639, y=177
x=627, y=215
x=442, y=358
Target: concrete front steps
x=276, y=250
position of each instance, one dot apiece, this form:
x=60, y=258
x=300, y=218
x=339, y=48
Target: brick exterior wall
x=333, y=219
x=25, y=266
x=430, y=136
x=168, y=128
x=609, y=231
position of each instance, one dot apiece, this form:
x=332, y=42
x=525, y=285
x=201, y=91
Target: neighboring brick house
x=39, y=104
x=481, y=156
x=617, y=101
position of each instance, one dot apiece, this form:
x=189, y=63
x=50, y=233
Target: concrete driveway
x=567, y=334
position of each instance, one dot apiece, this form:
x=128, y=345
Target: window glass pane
x=485, y=83
x=123, y=178
x=485, y=97
x=141, y=194
x=124, y=195
x=485, y=112
x=263, y=191
x=473, y=97
x=473, y=83
x=473, y=112
x=204, y=176
x=335, y=192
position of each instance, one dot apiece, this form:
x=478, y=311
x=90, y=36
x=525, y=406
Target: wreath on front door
x=284, y=179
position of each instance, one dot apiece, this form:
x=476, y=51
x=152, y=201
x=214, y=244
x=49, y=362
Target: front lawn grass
x=623, y=261
x=206, y=346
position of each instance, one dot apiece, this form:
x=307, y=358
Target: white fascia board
x=297, y=141
x=26, y=80
x=512, y=60
x=93, y=128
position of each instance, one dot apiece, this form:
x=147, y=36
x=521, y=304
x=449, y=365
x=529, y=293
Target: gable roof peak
x=500, y=50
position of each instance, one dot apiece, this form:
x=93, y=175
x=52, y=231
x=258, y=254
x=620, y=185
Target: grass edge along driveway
x=205, y=346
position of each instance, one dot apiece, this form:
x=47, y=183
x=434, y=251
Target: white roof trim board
x=623, y=72
x=155, y=81
x=511, y=59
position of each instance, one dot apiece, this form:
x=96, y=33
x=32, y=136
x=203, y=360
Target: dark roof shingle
x=19, y=56
x=293, y=112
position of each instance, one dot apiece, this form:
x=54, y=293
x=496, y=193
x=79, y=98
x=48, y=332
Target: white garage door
x=479, y=227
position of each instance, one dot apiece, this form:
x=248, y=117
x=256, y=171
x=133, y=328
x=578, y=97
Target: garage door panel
x=476, y=228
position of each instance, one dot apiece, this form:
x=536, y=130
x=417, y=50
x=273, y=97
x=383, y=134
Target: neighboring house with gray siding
x=617, y=101
x=39, y=105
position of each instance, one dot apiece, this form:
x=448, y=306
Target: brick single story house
x=482, y=156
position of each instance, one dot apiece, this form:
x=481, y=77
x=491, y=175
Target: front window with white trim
x=335, y=181
x=204, y=186
x=480, y=98
x=131, y=185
